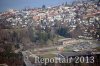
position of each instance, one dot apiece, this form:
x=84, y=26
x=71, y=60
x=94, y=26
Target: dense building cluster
x=81, y=18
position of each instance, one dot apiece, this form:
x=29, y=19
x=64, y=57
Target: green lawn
x=97, y=48
x=48, y=55
x=66, y=49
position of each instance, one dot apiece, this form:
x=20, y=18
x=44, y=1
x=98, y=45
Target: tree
x=43, y=6
x=63, y=32
x=43, y=36
x=32, y=34
x=66, y=4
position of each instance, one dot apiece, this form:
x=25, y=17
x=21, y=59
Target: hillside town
x=65, y=29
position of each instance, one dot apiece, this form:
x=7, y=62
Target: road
x=25, y=56
x=56, y=46
x=78, y=44
x=18, y=50
x=26, y=59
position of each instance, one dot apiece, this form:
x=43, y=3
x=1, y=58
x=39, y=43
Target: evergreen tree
x=66, y=4
x=43, y=6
